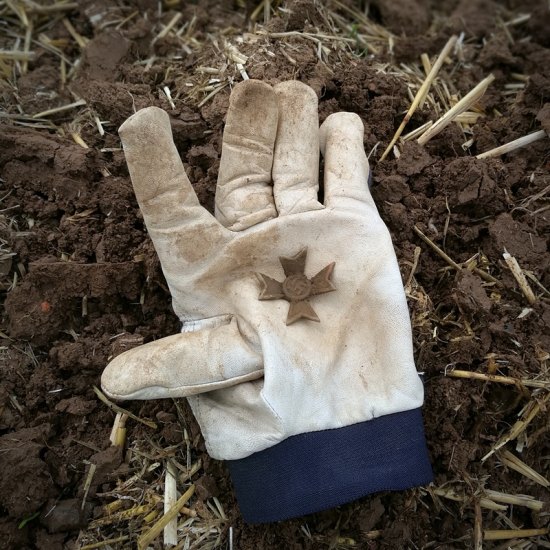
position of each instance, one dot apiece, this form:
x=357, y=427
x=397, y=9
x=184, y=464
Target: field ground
x=81, y=282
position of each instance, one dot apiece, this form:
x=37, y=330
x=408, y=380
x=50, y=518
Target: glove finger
x=165, y=195
x=244, y=194
x=296, y=159
x=183, y=364
x=346, y=164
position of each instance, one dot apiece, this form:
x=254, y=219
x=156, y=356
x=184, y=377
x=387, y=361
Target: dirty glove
x=296, y=352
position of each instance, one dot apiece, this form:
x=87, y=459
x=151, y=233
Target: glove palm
x=253, y=380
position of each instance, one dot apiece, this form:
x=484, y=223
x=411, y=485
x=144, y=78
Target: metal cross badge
x=297, y=288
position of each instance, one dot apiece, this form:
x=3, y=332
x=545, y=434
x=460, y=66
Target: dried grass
x=133, y=511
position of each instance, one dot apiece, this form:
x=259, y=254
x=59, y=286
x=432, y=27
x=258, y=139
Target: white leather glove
x=296, y=351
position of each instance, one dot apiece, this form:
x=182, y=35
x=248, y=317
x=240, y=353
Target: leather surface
x=263, y=381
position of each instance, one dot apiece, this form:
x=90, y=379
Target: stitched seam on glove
x=209, y=323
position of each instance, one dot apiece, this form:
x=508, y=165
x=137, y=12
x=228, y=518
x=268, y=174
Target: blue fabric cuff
x=315, y=471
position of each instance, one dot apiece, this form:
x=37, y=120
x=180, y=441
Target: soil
x=88, y=283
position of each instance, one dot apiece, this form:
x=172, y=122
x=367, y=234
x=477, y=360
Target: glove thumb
x=183, y=364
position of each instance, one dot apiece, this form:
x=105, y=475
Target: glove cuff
x=315, y=471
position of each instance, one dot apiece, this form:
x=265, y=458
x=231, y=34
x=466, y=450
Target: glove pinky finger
x=166, y=198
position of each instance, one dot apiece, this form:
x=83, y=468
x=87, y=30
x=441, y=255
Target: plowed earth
x=87, y=273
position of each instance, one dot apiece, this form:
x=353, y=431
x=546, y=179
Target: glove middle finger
x=296, y=158
x=244, y=194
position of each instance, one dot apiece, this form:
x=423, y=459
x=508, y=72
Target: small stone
x=65, y=516
x=165, y=417
x=205, y=488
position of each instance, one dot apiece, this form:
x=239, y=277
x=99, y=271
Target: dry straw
x=531, y=411
x=463, y=105
x=512, y=461
x=170, y=499
x=422, y=92
x=450, y=261
x=513, y=145
x=508, y=380
x=519, y=276
x=507, y=534
x=102, y=397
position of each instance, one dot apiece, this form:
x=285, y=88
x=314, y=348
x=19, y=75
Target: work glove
x=296, y=350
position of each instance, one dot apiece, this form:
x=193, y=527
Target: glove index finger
x=346, y=165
